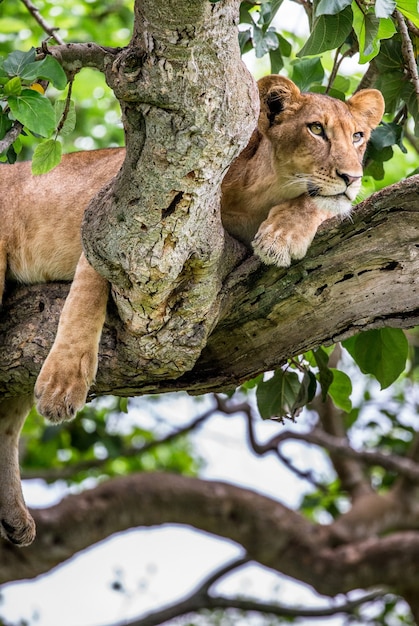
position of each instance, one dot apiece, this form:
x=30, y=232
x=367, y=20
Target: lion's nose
x=348, y=179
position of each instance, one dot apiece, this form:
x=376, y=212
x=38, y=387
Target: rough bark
x=357, y=275
x=271, y=534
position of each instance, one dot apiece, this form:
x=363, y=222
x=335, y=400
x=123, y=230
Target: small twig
x=50, y=30
x=10, y=136
x=408, y=52
x=336, y=65
x=304, y=475
x=66, y=108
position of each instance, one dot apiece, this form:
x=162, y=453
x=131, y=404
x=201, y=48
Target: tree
x=191, y=307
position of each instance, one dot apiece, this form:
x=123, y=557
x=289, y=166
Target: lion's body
x=302, y=165
x=40, y=222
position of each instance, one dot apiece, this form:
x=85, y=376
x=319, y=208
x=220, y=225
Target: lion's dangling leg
x=16, y=524
x=70, y=367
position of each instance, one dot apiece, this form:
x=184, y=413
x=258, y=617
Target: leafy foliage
x=92, y=117
x=100, y=444
x=22, y=89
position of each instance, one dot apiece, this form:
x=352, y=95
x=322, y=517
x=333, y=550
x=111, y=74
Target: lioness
x=302, y=165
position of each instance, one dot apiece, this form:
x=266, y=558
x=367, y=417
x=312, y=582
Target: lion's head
x=318, y=142
x=305, y=143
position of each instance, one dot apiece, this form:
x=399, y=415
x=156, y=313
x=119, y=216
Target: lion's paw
x=17, y=526
x=276, y=246
x=62, y=386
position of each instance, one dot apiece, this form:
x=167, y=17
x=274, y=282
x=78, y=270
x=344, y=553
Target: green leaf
x=245, y=41
x=379, y=154
x=70, y=121
x=306, y=72
x=391, y=86
x=382, y=353
x=331, y=7
x=13, y=87
x=284, y=46
x=46, y=156
x=17, y=145
x=5, y=124
x=409, y=8
x=325, y=374
x=308, y=387
x=33, y=111
x=267, y=12
x=329, y=32
x=384, y=8
x=390, y=58
x=375, y=169
x=366, y=29
x=340, y=390
x=276, y=60
x=264, y=41
x=48, y=69
x=388, y=134
x=16, y=61
x=245, y=17
x=275, y=4
x=386, y=29
x=410, y=97
x=276, y=397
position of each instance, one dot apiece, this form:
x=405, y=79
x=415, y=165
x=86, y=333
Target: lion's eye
x=357, y=137
x=317, y=129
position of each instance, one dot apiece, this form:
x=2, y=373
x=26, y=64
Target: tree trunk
x=189, y=105
x=270, y=533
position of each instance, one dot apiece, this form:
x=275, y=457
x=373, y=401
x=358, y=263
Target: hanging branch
x=202, y=599
x=408, y=52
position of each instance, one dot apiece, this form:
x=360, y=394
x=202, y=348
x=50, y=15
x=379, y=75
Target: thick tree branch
x=357, y=275
x=75, y=56
x=270, y=533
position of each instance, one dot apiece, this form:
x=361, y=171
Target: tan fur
x=265, y=202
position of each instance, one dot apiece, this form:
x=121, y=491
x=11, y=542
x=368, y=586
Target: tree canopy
x=301, y=325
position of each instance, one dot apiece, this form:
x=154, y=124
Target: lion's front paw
x=277, y=246
x=62, y=386
x=17, y=526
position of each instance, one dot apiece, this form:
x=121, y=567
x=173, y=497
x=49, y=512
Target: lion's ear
x=367, y=104
x=276, y=94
